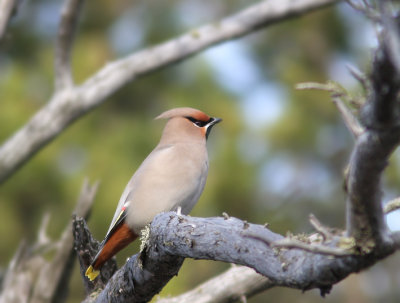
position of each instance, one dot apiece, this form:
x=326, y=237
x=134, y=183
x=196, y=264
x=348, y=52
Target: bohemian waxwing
x=172, y=176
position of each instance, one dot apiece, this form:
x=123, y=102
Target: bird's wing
x=121, y=207
x=112, y=243
x=117, y=221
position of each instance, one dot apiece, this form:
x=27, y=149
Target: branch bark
x=68, y=105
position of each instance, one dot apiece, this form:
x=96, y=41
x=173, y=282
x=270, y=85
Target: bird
x=171, y=178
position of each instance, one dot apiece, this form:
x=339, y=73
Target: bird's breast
x=170, y=177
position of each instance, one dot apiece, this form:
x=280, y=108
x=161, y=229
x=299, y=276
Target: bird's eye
x=198, y=123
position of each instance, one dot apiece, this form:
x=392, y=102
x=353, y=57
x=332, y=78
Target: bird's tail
x=120, y=237
x=92, y=273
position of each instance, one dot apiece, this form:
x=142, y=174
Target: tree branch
x=392, y=205
x=7, y=8
x=337, y=93
x=360, y=77
x=320, y=228
x=173, y=237
x=310, y=247
x=227, y=287
x=380, y=116
x=366, y=9
x=390, y=32
x=69, y=19
x=86, y=248
x=70, y=104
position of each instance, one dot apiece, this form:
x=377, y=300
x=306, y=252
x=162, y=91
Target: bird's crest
x=184, y=112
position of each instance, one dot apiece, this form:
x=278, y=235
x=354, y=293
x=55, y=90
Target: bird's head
x=185, y=123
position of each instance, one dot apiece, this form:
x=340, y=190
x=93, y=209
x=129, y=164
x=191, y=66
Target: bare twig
x=360, y=77
x=6, y=10
x=349, y=119
x=43, y=243
x=392, y=205
x=329, y=87
x=319, y=227
x=69, y=19
x=296, y=244
x=68, y=105
x=314, y=248
x=43, y=239
x=337, y=93
x=86, y=198
x=366, y=9
x=357, y=6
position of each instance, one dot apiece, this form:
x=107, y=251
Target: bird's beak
x=215, y=121
x=211, y=124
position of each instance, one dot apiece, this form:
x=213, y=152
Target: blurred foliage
x=276, y=172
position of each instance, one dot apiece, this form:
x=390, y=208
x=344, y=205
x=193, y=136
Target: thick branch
x=69, y=19
x=86, y=248
x=172, y=237
x=365, y=221
x=380, y=116
x=391, y=32
x=70, y=104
